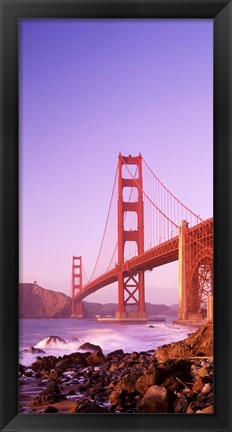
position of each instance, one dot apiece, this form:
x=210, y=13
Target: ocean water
x=109, y=335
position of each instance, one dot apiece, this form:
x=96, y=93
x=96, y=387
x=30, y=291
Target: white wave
x=51, y=342
x=109, y=337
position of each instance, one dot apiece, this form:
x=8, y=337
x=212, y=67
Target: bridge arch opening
x=161, y=285
x=201, y=286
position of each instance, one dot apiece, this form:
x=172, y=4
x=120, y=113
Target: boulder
x=113, y=367
x=71, y=361
x=53, y=375
x=51, y=409
x=21, y=370
x=86, y=406
x=124, y=387
x=155, y=400
x=178, y=368
x=201, y=402
x=198, y=385
x=207, y=388
x=181, y=404
x=44, y=362
x=208, y=410
x=48, y=396
x=33, y=350
x=87, y=346
x=197, y=344
x=95, y=358
x=115, y=353
x=144, y=382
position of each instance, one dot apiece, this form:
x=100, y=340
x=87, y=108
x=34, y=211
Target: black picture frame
x=221, y=12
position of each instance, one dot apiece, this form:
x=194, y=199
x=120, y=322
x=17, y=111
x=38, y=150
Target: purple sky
x=90, y=89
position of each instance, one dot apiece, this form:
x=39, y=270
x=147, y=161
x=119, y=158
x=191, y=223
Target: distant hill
x=174, y=307
x=38, y=302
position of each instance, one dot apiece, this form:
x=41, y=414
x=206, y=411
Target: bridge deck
x=155, y=257
x=161, y=254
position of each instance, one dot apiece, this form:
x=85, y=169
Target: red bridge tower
x=130, y=285
x=77, y=306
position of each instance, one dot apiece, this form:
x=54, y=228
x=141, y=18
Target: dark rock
x=86, y=406
x=144, y=382
x=199, y=343
x=191, y=408
x=43, y=362
x=96, y=389
x=207, y=388
x=181, y=404
x=53, y=375
x=155, y=400
x=51, y=409
x=202, y=401
x=106, y=365
x=79, y=357
x=198, y=385
x=28, y=373
x=151, y=326
x=125, y=386
x=21, y=370
x=205, y=399
x=33, y=350
x=48, y=396
x=208, y=410
x=115, y=353
x=72, y=361
x=172, y=384
x=87, y=346
x=95, y=358
x=113, y=367
x=53, y=340
x=133, y=356
x=180, y=368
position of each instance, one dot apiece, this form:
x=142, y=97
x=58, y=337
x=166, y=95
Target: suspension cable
x=170, y=193
x=124, y=217
x=138, y=185
x=107, y=219
x=85, y=273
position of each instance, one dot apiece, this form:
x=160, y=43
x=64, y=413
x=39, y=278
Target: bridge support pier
x=131, y=303
x=195, y=279
x=77, y=306
x=182, y=301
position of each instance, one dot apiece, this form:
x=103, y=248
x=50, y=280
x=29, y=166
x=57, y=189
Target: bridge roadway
x=164, y=253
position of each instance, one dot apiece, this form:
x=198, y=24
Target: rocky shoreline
x=174, y=378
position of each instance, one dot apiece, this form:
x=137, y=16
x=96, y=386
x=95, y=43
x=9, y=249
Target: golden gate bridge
x=153, y=228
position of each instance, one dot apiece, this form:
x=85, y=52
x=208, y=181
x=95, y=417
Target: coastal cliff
x=38, y=302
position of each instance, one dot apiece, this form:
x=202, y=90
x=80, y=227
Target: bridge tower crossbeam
x=130, y=287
